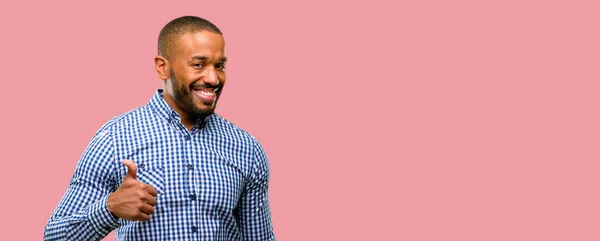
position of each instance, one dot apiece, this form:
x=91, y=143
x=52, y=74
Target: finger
x=143, y=217
x=147, y=209
x=149, y=200
x=131, y=169
x=151, y=190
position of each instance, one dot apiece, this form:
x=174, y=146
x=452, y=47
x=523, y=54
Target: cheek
x=184, y=81
x=222, y=77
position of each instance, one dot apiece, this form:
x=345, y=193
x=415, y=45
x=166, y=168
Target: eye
x=198, y=65
x=220, y=66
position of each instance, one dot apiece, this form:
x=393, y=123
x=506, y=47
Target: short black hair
x=179, y=26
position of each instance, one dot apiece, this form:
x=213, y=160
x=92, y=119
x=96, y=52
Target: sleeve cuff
x=101, y=219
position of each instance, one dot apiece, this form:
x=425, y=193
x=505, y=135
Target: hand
x=133, y=200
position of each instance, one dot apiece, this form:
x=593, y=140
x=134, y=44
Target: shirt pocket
x=152, y=174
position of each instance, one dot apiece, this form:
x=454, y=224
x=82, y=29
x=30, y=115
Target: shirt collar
x=164, y=111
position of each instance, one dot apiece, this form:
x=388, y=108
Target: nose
x=211, y=77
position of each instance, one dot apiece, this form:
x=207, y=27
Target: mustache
x=206, y=86
x=201, y=84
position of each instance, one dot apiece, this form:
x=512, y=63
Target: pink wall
x=436, y=120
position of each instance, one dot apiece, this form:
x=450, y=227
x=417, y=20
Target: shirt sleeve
x=255, y=212
x=82, y=213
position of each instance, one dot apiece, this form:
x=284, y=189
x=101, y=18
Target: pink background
x=436, y=120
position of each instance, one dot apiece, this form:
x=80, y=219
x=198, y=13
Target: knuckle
x=144, y=217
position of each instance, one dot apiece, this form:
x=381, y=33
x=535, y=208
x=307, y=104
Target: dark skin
x=197, y=62
x=133, y=200
x=193, y=78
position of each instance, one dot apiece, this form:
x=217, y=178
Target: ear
x=162, y=67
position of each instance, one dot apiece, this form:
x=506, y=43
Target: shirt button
x=193, y=196
x=190, y=166
x=187, y=137
x=194, y=229
x=142, y=165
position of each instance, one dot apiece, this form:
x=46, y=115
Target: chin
x=204, y=110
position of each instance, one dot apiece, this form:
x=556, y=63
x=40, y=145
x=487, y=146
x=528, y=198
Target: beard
x=184, y=99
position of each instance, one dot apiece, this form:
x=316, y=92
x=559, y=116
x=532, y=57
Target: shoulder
x=127, y=119
x=235, y=137
x=104, y=137
x=227, y=129
x=98, y=158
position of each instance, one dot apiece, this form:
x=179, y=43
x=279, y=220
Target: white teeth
x=206, y=93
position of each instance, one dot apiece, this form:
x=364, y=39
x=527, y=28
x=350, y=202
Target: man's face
x=197, y=73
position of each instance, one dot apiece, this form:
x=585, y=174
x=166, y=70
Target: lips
x=207, y=95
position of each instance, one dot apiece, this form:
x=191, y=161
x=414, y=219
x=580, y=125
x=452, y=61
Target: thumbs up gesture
x=133, y=200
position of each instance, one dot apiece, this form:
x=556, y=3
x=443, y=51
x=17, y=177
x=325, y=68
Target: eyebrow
x=204, y=58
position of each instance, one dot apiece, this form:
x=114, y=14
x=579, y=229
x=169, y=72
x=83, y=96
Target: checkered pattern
x=212, y=180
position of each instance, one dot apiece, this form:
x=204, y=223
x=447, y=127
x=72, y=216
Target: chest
x=189, y=174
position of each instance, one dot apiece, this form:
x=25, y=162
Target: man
x=172, y=169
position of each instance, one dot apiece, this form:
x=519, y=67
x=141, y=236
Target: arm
x=255, y=212
x=82, y=213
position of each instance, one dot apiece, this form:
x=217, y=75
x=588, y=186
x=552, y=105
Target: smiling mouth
x=207, y=95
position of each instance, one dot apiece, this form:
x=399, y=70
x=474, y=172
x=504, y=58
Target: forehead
x=204, y=43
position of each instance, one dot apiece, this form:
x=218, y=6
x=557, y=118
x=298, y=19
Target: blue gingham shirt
x=212, y=181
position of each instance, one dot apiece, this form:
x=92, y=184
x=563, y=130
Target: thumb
x=131, y=169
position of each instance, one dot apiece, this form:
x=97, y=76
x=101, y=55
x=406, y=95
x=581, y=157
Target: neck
x=188, y=123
